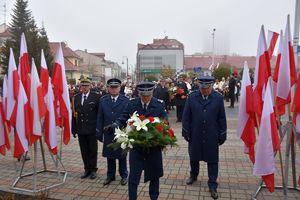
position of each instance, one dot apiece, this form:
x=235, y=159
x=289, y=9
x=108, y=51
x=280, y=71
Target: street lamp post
x=126, y=67
x=213, y=47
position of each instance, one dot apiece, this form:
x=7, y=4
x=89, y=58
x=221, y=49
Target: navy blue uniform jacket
x=203, y=122
x=153, y=167
x=108, y=112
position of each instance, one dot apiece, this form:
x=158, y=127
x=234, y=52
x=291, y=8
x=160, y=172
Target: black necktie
x=205, y=98
x=145, y=108
x=113, y=100
x=84, y=99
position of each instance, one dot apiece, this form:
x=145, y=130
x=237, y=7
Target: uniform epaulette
x=160, y=101
x=131, y=99
x=77, y=94
x=105, y=96
x=95, y=92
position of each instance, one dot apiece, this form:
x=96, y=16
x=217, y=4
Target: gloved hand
x=74, y=135
x=187, y=138
x=222, y=139
x=108, y=129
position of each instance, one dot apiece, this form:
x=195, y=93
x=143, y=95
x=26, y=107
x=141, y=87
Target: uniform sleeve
x=100, y=118
x=164, y=112
x=74, y=117
x=222, y=120
x=122, y=119
x=186, y=119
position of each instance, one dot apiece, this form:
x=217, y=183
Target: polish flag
x=21, y=142
x=262, y=72
x=50, y=126
x=272, y=39
x=61, y=95
x=44, y=74
x=4, y=141
x=24, y=66
x=245, y=129
x=12, y=89
x=268, y=142
x=286, y=77
x=296, y=106
x=4, y=101
x=37, y=104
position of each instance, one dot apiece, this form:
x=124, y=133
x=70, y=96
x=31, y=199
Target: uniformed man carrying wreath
x=149, y=160
x=204, y=128
x=85, y=108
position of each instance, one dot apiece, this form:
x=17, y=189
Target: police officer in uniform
x=180, y=98
x=85, y=108
x=110, y=107
x=149, y=160
x=204, y=128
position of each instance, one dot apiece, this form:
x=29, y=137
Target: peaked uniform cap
x=113, y=82
x=145, y=88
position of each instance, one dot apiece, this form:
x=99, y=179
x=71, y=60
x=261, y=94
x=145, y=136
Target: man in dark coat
x=180, y=97
x=85, y=108
x=232, y=85
x=110, y=108
x=204, y=128
x=162, y=93
x=149, y=160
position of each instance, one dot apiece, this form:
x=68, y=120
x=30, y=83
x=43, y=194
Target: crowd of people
x=99, y=109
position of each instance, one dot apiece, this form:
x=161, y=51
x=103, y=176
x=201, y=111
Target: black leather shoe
x=85, y=175
x=123, y=181
x=108, y=181
x=93, y=175
x=213, y=193
x=191, y=180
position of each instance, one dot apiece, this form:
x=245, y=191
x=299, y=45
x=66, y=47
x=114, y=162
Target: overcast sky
x=115, y=27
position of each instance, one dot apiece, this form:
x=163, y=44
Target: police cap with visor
x=145, y=88
x=206, y=81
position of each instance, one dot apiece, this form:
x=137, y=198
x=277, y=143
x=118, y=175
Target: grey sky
x=116, y=26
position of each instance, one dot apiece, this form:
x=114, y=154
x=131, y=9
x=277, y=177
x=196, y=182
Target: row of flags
x=267, y=98
x=33, y=106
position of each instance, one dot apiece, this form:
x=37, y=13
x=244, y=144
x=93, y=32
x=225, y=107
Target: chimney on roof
x=166, y=37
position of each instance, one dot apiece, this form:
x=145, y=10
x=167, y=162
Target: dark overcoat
x=152, y=165
x=204, y=121
x=84, y=123
x=178, y=100
x=108, y=112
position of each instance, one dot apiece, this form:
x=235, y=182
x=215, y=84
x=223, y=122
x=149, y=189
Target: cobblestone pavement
x=235, y=175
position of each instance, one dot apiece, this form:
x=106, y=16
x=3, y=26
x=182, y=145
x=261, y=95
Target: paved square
x=235, y=175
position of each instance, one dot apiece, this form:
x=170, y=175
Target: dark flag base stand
x=61, y=175
x=290, y=131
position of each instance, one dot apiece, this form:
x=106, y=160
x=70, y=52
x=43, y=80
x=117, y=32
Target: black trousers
x=111, y=167
x=89, y=151
x=232, y=98
x=179, y=112
x=212, y=168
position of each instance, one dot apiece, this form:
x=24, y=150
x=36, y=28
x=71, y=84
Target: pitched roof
x=164, y=43
x=6, y=33
x=191, y=61
x=67, y=51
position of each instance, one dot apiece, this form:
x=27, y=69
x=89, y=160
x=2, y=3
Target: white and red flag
x=24, y=66
x=37, y=104
x=268, y=142
x=4, y=141
x=245, y=128
x=44, y=74
x=61, y=95
x=21, y=142
x=4, y=101
x=262, y=72
x=12, y=89
x=296, y=106
x=286, y=76
x=272, y=39
x=50, y=125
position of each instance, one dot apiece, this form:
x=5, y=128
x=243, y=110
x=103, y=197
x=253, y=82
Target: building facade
x=162, y=53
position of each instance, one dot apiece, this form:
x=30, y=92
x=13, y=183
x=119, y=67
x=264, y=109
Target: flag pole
x=280, y=134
